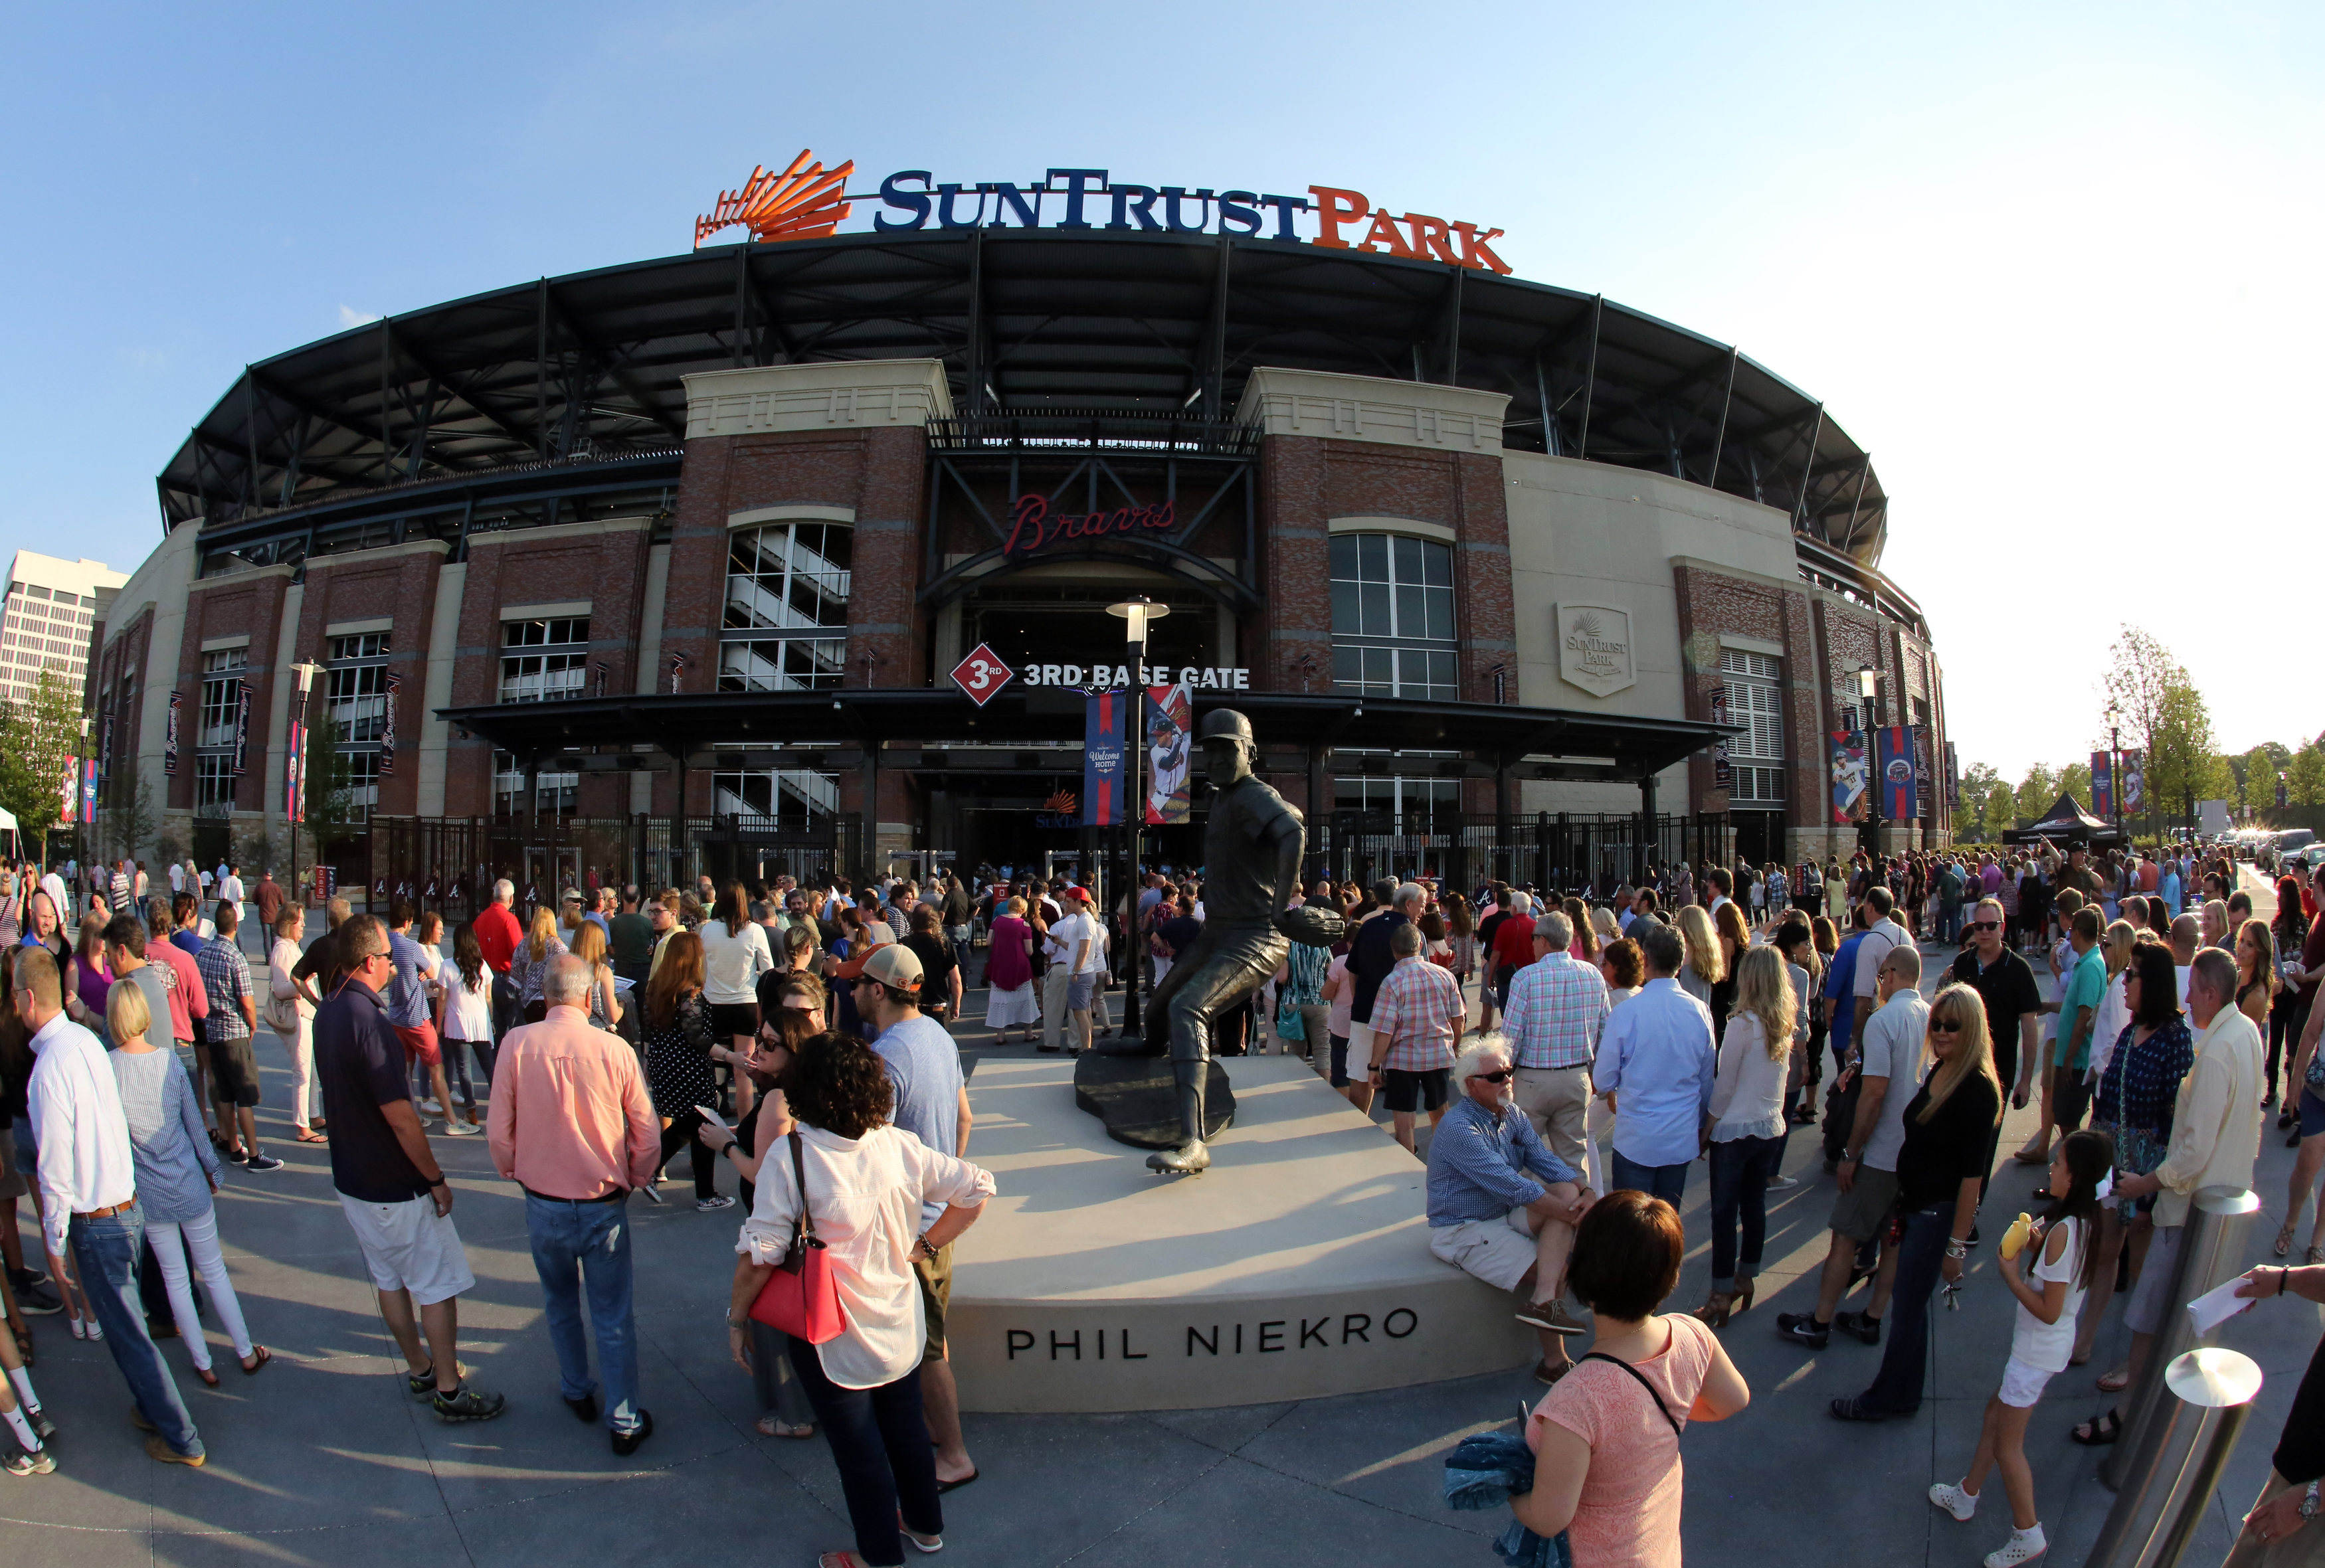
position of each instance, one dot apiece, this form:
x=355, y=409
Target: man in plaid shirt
x=233, y=1017
x=1558, y=1005
x=1417, y=1016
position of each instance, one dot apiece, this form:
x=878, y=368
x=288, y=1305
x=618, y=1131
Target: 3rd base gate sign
x=981, y=675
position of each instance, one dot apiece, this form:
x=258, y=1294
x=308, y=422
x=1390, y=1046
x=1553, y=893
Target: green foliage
x=2304, y=782
x=2075, y=780
x=2166, y=716
x=129, y=816
x=40, y=737
x=331, y=817
x=2036, y=793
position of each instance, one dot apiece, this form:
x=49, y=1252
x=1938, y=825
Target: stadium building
x=670, y=567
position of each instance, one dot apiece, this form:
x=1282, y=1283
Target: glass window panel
x=1348, y=667
x=1437, y=564
x=1376, y=621
x=1372, y=557
x=1405, y=556
x=1344, y=613
x=1440, y=615
x=1411, y=619
x=1344, y=556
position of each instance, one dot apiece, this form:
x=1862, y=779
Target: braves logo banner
x=88, y=791
x=1953, y=779
x=1106, y=750
x=387, y=729
x=105, y=751
x=1723, y=771
x=170, y=744
x=1169, y=726
x=2102, y=786
x=1893, y=751
x=1848, y=776
x=294, y=769
x=2134, y=784
x=1924, y=758
x=242, y=730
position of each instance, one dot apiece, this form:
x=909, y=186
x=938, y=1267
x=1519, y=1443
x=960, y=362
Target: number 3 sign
x=981, y=675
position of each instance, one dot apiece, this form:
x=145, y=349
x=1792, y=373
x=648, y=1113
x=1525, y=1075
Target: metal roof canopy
x=589, y=365
x=1565, y=744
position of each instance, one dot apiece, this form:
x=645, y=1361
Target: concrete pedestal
x=1297, y=1266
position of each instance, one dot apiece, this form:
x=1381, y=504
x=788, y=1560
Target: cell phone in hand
x=710, y=1115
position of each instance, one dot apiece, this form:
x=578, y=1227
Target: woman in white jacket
x=291, y=1013
x=1747, y=1124
x=734, y=954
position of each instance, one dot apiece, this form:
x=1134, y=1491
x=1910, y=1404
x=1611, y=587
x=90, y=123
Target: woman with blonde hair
x=530, y=963
x=1735, y=941
x=177, y=1171
x=589, y=947
x=1950, y=1128
x=1705, y=967
x=1747, y=1124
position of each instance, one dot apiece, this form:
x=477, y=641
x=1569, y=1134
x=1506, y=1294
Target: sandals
x=2284, y=1243
x=768, y=1426
x=2115, y=1382
x=260, y=1356
x=1714, y=1311
x=2098, y=1432
x=308, y=1135
x=209, y=1375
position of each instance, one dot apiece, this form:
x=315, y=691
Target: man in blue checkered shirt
x=1558, y=1006
x=233, y=1017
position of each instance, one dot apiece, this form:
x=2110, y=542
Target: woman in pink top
x=1606, y=1438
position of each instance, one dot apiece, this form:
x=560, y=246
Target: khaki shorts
x=1497, y=1251
x=409, y=1246
x=1860, y=1212
x=936, y=1296
x=1557, y=1101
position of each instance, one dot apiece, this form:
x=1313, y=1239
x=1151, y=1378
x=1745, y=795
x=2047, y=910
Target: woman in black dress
x=679, y=1038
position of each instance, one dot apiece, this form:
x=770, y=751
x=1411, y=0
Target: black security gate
x=1559, y=852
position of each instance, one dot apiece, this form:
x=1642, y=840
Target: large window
x=1414, y=805
x=785, y=628
x=221, y=704
x=355, y=700
x=1393, y=617
x=556, y=789
x=790, y=800
x=1755, y=699
x=544, y=661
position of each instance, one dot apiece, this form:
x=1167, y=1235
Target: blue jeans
x=106, y=1252
x=1897, y=1387
x=576, y=1243
x=1740, y=1170
x=1666, y=1182
x=879, y=1439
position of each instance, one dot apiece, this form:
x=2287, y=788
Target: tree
x=2304, y=783
x=2037, y=792
x=2165, y=716
x=129, y=819
x=256, y=852
x=2075, y=780
x=2001, y=814
x=331, y=814
x=40, y=739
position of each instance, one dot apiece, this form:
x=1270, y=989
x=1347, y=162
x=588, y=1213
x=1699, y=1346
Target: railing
x=1096, y=429
x=1560, y=852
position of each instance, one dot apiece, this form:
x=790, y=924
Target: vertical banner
x=1848, y=775
x=2102, y=786
x=2281, y=800
x=2133, y=783
x=1953, y=779
x=1925, y=792
x=294, y=780
x=1169, y=732
x=1106, y=751
x=88, y=790
x=105, y=751
x=387, y=729
x=69, y=796
x=1893, y=757
x=242, y=730
x=170, y=743
x=1723, y=771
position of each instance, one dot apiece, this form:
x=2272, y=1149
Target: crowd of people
x=1574, y=1056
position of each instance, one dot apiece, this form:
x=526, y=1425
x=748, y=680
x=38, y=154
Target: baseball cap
x=1080, y=893
x=897, y=967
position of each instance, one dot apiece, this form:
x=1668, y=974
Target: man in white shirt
x=1070, y=945
x=176, y=879
x=231, y=892
x=1720, y=885
x=88, y=1192
x=1881, y=933
x=1889, y=1073
x=1086, y=962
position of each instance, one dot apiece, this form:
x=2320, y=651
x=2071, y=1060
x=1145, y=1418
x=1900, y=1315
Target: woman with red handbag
x=836, y=1274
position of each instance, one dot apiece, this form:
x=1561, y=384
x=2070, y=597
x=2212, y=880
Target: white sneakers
x=2023, y=1546
x=456, y=1128
x=1960, y=1504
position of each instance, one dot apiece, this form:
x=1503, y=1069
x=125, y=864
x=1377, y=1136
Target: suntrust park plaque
x=1594, y=649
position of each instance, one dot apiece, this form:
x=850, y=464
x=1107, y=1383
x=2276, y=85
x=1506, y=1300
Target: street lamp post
x=306, y=672
x=2114, y=768
x=1868, y=687
x=1137, y=614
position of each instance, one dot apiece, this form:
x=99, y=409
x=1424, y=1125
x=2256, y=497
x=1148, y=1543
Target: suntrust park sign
x=805, y=200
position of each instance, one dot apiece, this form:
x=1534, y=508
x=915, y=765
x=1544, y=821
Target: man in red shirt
x=1513, y=946
x=497, y=934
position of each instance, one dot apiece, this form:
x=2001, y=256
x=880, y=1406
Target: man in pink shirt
x=189, y=997
x=571, y=1124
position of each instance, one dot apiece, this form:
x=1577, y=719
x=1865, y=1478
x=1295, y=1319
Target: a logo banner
x=242, y=730
x=105, y=750
x=88, y=791
x=1924, y=759
x=2133, y=783
x=1953, y=779
x=1848, y=775
x=387, y=730
x=1106, y=750
x=1170, y=729
x=1894, y=754
x=294, y=774
x=1723, y=771
x=2102, y=786
x=170, y=744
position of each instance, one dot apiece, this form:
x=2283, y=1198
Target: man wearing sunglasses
x=2014, y=1004
x=1502, y=1207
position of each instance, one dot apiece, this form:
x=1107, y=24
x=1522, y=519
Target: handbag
x=800, y=1298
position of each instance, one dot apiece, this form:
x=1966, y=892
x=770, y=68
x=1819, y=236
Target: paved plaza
x=323, y=1459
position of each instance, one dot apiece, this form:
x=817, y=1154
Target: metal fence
x=450, y=862
x=1563, y=851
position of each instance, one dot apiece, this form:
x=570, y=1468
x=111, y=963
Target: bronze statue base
x=1137, y=1099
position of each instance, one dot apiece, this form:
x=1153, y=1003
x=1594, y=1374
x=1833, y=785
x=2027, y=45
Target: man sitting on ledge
x=1502, y=1207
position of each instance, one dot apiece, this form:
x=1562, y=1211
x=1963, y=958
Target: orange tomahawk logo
x=804, y=201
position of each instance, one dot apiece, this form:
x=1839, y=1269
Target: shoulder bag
x=801, y=1298
x=1639, y=1378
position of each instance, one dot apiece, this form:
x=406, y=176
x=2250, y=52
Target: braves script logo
x=1031, y=526
x=805, y=201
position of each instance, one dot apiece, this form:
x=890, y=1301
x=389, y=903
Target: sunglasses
x=1944, y=1025
x=1501, y=1076
x=1985, y=925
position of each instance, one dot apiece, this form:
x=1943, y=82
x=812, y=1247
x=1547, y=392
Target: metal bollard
x=2171, y=1479
x=2211, y=1252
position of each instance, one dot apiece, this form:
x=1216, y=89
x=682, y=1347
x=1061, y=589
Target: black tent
x=2065, y=823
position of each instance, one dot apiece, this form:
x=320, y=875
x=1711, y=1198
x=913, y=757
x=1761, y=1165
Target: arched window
x=786, y=622
x=1393, y=617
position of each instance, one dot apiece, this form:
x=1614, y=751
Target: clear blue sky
x=2054, y=265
